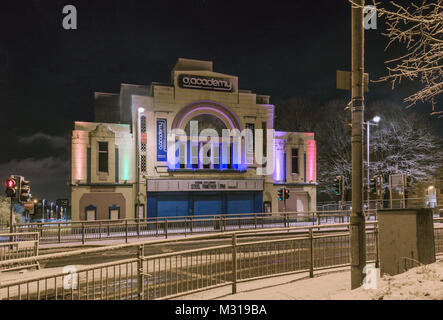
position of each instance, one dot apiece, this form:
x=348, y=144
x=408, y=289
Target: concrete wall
x=406, y=239
x=102, y=198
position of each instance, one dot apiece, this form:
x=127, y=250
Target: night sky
x=48, y=75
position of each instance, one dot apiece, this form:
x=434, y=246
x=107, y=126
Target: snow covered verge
x=420, y=283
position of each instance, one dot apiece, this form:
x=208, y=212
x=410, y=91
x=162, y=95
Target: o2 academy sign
x=206, y=83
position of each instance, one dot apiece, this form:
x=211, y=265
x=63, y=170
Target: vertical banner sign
x=162, y=148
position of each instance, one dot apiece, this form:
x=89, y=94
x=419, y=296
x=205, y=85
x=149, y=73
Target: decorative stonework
x=102, y=131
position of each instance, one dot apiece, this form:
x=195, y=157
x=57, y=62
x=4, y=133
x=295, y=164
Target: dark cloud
x=48, y=176
x=39, y=137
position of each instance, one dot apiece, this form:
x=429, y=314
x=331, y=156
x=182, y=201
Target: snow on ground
x=424, y=282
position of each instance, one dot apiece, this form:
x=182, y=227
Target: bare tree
x=296, y=114
x=334, y=147
x=419, y=28
x=4, y=211
x=403, y=142
x=406, y=145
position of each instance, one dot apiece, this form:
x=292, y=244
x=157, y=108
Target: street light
x=375, y=120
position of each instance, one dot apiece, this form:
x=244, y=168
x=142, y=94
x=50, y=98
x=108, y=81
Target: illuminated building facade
x=195, y=146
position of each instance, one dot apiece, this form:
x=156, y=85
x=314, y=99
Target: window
x=250, y=142
x=103, y=157
x=182, y=154
x=231, y=156
x=206, y=156
x=114, y=212
x=216, y=155
x=265, y=138
x=294, y=161
x=194, y=156
x=90, y=213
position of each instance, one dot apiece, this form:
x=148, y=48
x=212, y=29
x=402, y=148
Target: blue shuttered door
x=207, y=204
x=241, y=202
x=168, y=206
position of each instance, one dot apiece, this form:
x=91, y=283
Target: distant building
x=160, y=150
x=428, y=194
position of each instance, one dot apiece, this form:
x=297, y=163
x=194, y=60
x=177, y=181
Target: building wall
x=89, y=185
x=133, y=147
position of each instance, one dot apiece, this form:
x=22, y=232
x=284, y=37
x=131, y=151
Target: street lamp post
x=368, y=123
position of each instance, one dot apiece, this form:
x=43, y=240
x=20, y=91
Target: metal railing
x=85, y=231
x=168, y=275
x=18, y=245
x=422, y=202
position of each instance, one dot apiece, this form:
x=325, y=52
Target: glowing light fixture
x=10, y=183
x=311, y=161
x=376, y=119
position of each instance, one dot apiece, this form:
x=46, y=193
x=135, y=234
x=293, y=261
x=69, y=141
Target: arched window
x=188, y=155
x=114, y=212
x=90, y=213
x=206, y=121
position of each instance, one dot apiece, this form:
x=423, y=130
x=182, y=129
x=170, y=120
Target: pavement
x=323, y=286
x=421, y=283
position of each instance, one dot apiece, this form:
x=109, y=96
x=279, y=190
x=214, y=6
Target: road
x=131, y=252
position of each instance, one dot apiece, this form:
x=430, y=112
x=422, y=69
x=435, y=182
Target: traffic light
x=280, y=194
x=25, y=190
x=338, y=185
x=286, y=193
x=373, y=185
x=11, y=187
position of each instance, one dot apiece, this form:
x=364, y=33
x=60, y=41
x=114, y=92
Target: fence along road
x=19, y=245
x=169, y=275
x=86, y=231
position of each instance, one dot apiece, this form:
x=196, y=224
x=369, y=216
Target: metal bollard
x=83, y=233
x=311, y=254
x=140, y=273
x=166, y=228
x=126, y=230
x=234, y=263
x=377, y=262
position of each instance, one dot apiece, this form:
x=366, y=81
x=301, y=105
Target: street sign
x=29, y=205
x=344, y=80
x=62, y=202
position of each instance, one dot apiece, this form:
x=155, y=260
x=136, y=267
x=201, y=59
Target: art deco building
x=190, y=147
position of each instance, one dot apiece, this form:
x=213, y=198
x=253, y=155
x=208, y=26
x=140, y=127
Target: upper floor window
x=103, y=157
x=294, y=161
x=265, y=138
